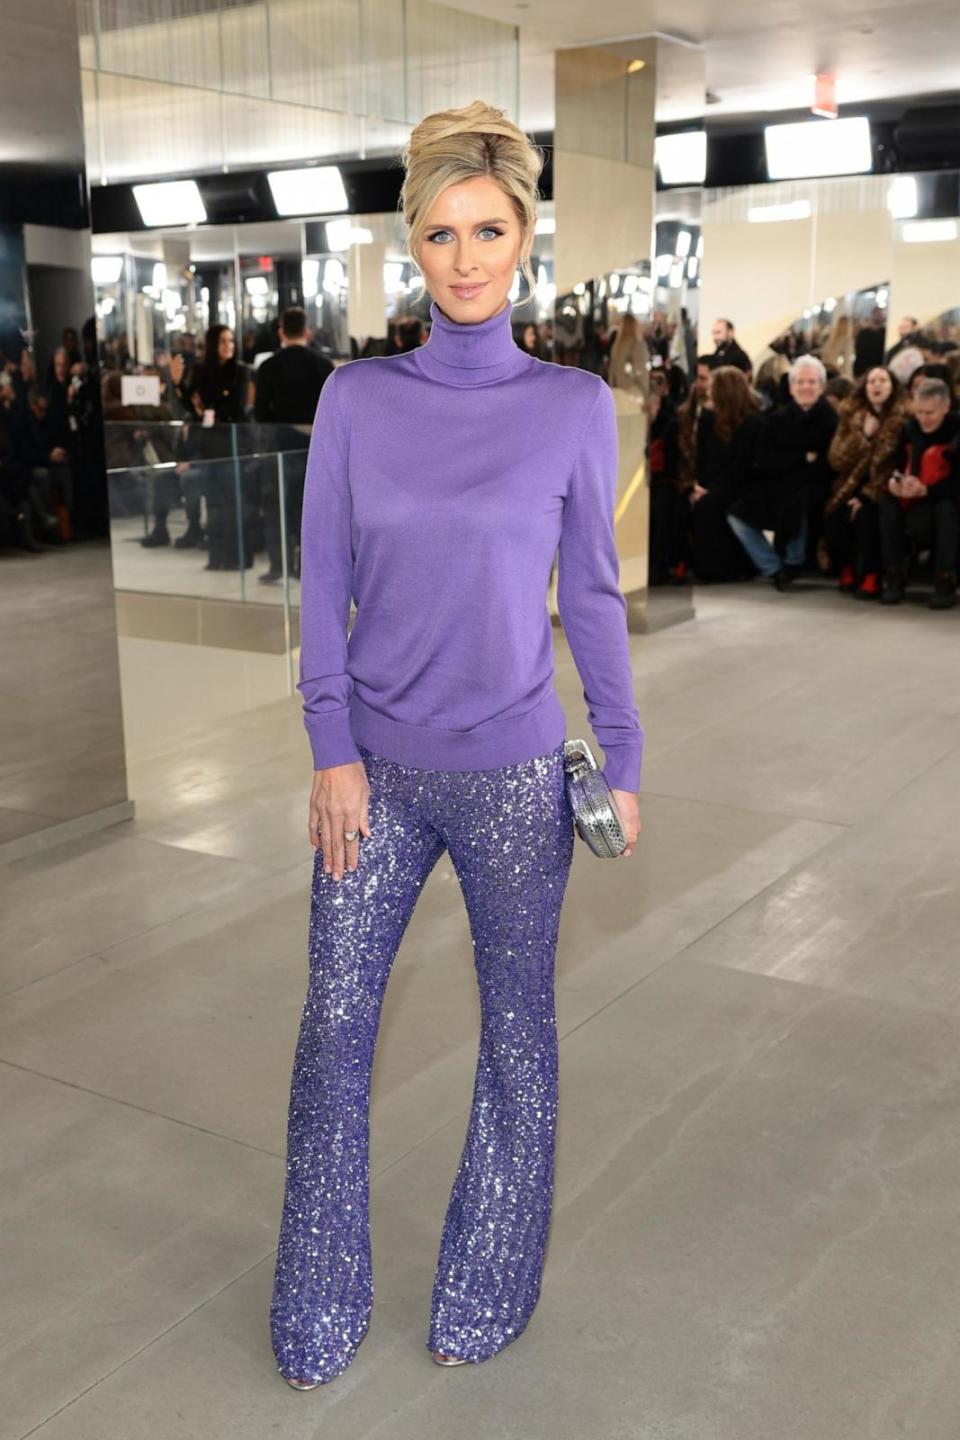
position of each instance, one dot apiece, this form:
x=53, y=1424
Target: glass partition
x=211, y=515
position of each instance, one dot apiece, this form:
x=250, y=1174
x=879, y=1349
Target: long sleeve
x=591, y=604
x=326, y=569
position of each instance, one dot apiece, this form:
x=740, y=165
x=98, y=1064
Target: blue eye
x=491, y=228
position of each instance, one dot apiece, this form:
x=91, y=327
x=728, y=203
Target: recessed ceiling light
x=314, y=190
x=170, y=202
x=818, y=147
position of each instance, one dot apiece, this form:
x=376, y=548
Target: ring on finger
x=350, y=834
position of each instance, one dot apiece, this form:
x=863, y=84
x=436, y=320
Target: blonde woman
x=440, y=483
x=630, y=358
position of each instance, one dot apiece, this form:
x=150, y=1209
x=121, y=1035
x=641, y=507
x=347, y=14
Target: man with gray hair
x=793, y=478
x=922, y=506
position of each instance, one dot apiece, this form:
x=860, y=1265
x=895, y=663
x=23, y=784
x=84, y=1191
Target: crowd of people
x=801, y=467
x=52, y=488
x=854, y=478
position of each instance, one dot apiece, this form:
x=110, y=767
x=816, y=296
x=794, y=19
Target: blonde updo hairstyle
x=451, y=146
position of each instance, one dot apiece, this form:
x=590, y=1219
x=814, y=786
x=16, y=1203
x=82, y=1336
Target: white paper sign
x=140, y=389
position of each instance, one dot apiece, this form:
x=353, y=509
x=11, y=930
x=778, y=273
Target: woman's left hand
x=627, y=806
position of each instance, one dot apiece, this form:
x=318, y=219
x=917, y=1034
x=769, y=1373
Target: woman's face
x=879, y=388
x=226, y=346
x=470, y=249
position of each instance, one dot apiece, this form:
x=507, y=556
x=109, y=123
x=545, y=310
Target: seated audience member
x=838, y=389
x=952, y=362
x=906, y=363
x=40, y=442
x=793, y=477
x=862, y=452
x=668, y=560
x=922, y=503
x=930, y=370
x=906, y=330
x=727, y=430
x=728, y=351
x=772, y=386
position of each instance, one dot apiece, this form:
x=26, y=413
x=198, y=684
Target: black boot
x=159, y=535
x=893, y=591
x=191, y=539
x=944, y=590
x=25, y=540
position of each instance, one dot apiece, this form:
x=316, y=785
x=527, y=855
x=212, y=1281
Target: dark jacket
x=730, y=353
x=726, y=467
x=788, y=437
x=289, y=384
x=663, y=459
x=934, y=459
x=225, y=391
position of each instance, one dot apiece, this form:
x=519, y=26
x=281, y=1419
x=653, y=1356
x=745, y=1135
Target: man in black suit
x=907, y=331
x=728, y=351
x=288, y=386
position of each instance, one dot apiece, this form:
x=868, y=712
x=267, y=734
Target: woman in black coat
x=220, y=388
x=727, y=430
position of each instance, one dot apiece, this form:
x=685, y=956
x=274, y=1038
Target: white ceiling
x=756, y=54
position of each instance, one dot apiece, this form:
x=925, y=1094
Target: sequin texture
x=509, y=834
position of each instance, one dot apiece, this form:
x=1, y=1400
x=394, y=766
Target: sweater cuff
x=331, y=739
x=621, y=767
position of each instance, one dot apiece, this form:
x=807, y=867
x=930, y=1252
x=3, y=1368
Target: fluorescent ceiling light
x=170, y=202
x=546, y=225
x=310, y=191
x=662, y=264
x=684, y=241
x=106, y=269
x=920, y=232
x=676, y=274
x=692, y=265
x=902, y=197
x=257, y=285
x=682, y=159
x=771, y=214
x=341, y=234
x=818, y=147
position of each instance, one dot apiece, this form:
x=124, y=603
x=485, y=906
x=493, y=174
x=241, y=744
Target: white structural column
x=366, y=296
x=603, y=188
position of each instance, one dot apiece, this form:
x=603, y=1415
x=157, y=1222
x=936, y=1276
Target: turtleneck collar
x=471, y=353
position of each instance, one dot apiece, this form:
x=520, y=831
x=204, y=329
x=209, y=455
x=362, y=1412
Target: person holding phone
x=922, y=504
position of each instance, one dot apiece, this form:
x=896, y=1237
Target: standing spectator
x=921, y=504
x=793, y=477
x=728, y=428
x=689, y=341
x=630, y=358
x=868, y=347
x=728, y=351
x=221, y=391
x=837, y=349
x=862, y=453
x=907, y=331
x=288, y=391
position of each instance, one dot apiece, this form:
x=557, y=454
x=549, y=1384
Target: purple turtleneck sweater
x=439, y=486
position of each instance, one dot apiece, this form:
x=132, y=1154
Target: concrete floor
x=756, y=1229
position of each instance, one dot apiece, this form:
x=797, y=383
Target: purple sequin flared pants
x=509, y=834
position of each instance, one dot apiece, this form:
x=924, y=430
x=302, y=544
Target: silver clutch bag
x=590, y=800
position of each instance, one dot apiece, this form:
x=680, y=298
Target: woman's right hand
x=338, y=801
